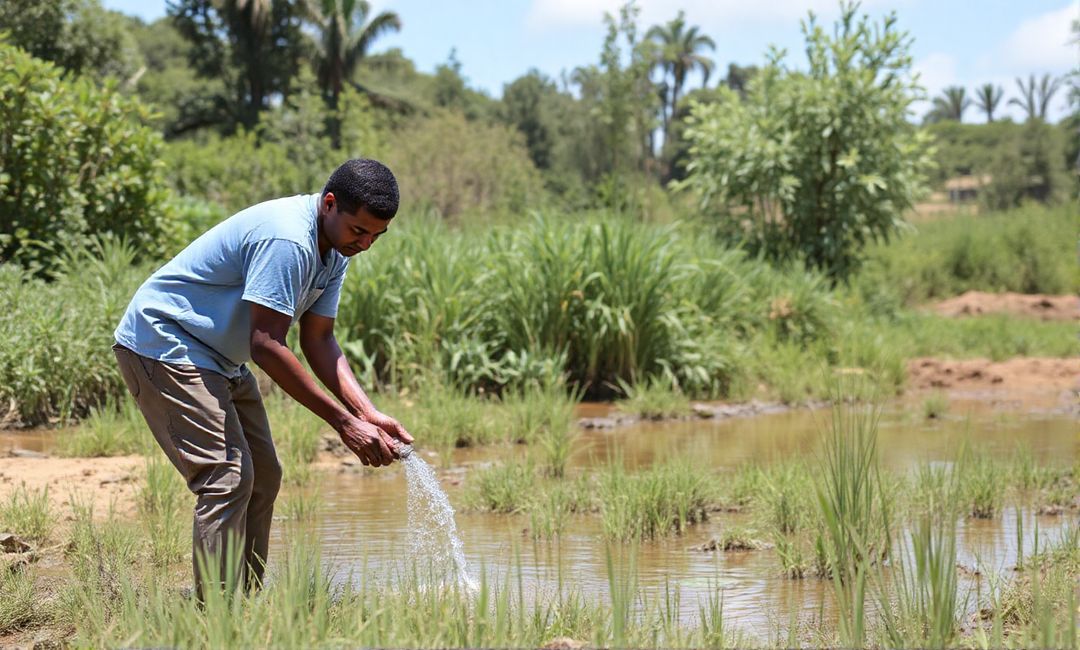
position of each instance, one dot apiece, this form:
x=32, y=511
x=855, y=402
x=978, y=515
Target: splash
x=433, y=535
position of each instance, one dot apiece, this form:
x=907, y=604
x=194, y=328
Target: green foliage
x=1029, y=250
x=56, y=361
x=457, y=167
x=77, y=35
x=19, y=602
x=662, y=500
x=253, y=48
x=108, y=430
x=815, y=165
x=27, y=513
x=289, y=152
x=74, y=161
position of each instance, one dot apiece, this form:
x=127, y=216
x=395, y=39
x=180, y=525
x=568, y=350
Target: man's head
x=356, y=206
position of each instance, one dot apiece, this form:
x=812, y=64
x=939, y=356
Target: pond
x=363, y=521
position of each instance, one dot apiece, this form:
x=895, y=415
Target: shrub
x=74, y=161
x=815, y=165
x=458, y=167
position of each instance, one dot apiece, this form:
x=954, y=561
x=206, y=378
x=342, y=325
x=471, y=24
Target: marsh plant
x=658, y=398
x=662, y=500
x=935, y=406
x=983, y=483
x=297, y=437
x=920, y=604
x=27, y=512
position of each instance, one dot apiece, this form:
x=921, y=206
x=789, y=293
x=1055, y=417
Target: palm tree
x=950, y=105
x=345, y=36
x=1035, y=99
x=679, y=55
x=987, y=98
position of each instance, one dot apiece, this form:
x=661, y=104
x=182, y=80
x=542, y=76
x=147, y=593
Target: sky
x=956, y=42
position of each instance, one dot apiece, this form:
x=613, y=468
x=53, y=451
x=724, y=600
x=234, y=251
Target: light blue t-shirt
x=194, y=310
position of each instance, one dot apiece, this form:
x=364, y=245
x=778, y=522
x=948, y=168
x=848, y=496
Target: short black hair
x=364, y=183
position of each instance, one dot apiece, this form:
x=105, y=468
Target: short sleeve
x=273, y=274
x=327, y=304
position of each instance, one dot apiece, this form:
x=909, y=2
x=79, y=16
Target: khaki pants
x=215, y=432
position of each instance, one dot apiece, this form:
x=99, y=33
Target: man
x=230, y=297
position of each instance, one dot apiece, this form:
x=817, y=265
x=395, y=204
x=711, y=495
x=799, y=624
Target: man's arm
x=329, y=364
x=269, y=352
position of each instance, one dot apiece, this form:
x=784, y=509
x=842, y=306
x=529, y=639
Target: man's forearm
x=278, y=361
x=332, y=368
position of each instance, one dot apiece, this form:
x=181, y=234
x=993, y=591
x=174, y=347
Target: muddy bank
x=103, y=482
x=978, y=303
x=1026, y=382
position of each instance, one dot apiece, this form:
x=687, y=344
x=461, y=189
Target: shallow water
x=363, y=526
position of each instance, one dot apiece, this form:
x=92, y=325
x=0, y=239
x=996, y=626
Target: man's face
x=350, y=234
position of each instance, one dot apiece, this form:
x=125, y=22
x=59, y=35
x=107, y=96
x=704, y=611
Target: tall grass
x=163, y=502
x=296, y=434
x=19, y=601
x=114, y=428
x=27, y=512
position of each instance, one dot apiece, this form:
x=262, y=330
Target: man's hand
x=368, y=441
x=390, y=426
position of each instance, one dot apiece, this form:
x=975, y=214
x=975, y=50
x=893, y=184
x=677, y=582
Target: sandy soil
x=106, y=482
x=1026, y=382
x=976, y=303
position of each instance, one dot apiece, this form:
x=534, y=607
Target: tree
x=525, y=107
x=815, y=165
x=739, y=76
x=950, y=105
x=623, y=101
x=346, y=33
x=678, y=55
x=254, y=46
x=987, y=98
x=79, y=35
x=1035, y=98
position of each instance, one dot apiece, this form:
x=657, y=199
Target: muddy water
x=362, y=526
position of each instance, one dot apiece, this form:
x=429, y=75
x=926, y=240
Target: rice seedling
x=920, y=605
x=662, y=500
x=27, y=513
x=787, y=497
x=505, y=488
x=658, y=398
x=935, y=406
x=983, y=483
x=855, y=511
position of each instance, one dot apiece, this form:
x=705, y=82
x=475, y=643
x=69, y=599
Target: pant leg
x=190, y=411
x=267, y=470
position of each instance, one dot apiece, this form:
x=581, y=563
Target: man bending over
x=228, y=298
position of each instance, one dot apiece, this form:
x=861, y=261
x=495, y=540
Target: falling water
x=433, y=533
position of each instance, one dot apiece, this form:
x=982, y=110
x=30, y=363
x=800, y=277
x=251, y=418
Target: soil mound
x=1017, y=375
x=976, y=303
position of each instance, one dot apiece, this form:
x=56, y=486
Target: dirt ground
x=1030, y=383
x=977, y=303
x=105, y=482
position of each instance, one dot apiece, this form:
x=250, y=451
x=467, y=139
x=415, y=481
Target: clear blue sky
x=957, y=42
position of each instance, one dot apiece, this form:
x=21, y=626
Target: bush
x=815, y=165
x=74, y=161
x=458, y=167
x=1028, y=250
